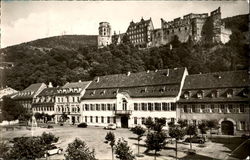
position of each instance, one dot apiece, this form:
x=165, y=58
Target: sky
x=23, y=21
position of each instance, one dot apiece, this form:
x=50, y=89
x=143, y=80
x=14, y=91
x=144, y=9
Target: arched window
x=124, y=104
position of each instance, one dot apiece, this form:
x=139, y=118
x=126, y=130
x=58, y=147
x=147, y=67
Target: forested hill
x=70, y=58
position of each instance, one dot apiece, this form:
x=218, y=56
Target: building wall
x=236, y=115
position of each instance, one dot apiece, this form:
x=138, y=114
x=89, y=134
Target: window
x=91, y=119
x=173, y=107
x=98, y=107
x=212, y=108
x=194, y=121
x=102, y=119
x=114, y=106
x=158, y=106
x=108, y=119
x=92, y=107
x=150, y=106
x=242, y=125
x=73, y=99
x=96, y=119
x=109, y=107
x=230, y=108
x=124, y=104
x=193, y=108
x=200, y=95
x=202, y=107
x=165, y=106
x=173, y=120
x=185, y=108
x=222, y=107
x=144, y=106
x=186, y=95
x=86, y=119
x=242, y=108
x=114, y=120
x=86, y=107
x=143, y=120
x=136, y=106
x=103, y=107
x=135, y=120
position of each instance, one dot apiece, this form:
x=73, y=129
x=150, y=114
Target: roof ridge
x=210, y=73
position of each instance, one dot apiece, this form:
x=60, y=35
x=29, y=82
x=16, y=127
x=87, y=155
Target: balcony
x=123, y=112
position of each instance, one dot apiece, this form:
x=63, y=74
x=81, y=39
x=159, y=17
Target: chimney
x=50, y=85
x=128, y=74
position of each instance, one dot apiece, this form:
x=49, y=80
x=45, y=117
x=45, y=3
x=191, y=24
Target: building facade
x=28, y=95
x=195, y=27
x=221, y=96
x=67, y=101
x=141, y=33
x=45, y=101
x=104, y=38
x=128, y=99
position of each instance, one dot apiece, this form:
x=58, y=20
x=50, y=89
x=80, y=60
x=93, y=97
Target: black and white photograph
x=124, y=80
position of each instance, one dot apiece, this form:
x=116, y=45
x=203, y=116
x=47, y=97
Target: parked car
x=196, y=139
x=82, y=125
x=110, y=127
x=53, y=150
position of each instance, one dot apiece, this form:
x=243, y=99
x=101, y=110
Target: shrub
x=82, y=125
x=50, y=126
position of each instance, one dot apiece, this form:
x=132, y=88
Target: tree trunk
x=112, y=153
x=138, y=146
x=176, y=148
x=155, y=154
x=190, y=142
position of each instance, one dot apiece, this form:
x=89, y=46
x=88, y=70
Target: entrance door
x=124, y=122
x=227, y=128
x=73, y=120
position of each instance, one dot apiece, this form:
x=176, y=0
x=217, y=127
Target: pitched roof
x=220, y=83
x=30, y=91
x=48, y=92
x=161, y=83
x=217, y=80
x=82, y=85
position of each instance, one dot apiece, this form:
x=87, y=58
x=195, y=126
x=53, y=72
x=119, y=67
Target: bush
x=82, y=125
x=50, y=126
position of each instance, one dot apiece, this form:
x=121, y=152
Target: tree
x=123, y=151
x=4, y=150
x=158, y=124
x=139, y=131
x=78, y=150
x=177, y=133
x=191, y=130
x=49, y=138
x=203, y=128
x=212, y=124
x=64, y=117
x=182, y=123
x=110, y=137
x=149, y=123
x=11, y=110
x=156, y=141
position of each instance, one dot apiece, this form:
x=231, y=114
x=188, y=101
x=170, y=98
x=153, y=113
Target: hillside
x=72, y=57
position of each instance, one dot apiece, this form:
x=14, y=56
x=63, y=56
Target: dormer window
x=143, y=90
x=186, y=95
x=92, y=93
x=103, y=92
x=214, y=94
x=200, y=94
x=229, y=93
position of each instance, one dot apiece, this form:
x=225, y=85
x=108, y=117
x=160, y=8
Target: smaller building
x=221, y=96
x=68, y=101
x=6, y=91
x=140, y=33
x=28, y=95
x=45, y=101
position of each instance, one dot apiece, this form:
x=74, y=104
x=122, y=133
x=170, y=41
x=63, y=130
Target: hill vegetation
x=71, y=58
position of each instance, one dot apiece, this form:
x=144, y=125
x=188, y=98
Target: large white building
x=128, y=99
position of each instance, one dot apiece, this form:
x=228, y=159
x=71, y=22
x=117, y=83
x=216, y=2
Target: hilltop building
x=141, y=33
x=67, y=101
x=28, y=95
x=195, y=27
x=104, y=37
x=221, y=96
x=128, y=99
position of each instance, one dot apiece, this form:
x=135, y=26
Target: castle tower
x=104, y=37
